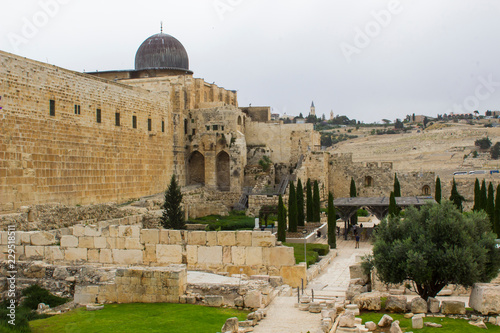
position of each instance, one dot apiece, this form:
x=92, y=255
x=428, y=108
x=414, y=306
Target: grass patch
x=449, y=325
x=313, y=251
x=235, y=221
x=140, y=317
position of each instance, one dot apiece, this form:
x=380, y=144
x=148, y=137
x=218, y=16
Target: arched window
x=368, y=181
x=185, y=126
x=426, y=190
x=239, y=120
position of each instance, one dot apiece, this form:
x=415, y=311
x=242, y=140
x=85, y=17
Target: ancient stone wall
x=316, y=168
x=285, y=141
x=217, y=251
x=78, y=155
x=375, y=179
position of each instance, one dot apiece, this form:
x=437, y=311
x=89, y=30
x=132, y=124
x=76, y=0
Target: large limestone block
x=127, y=257
x=169, y=254
x=278, y=256
x=175, y=237
x=395, y=327
x=239, y=255
x=347, y=320
x=100, y=242
x=214, y=300
x=106, y=256
x=133, y=231
x=42, y=238
x=78, y=230
x=93, y=255
x=417, y=322
x=227, y=257
x=433, y=305
x=164, y=236
x=231, y=325
x=196, y=238
x=396, y=304
x=244, y=238
x=54, y=253
x=226, y=238
x=263, y=239
x=69, y=241
x=254, y=256
x=150, y=236
x=133, y=244
x=369, y=301
x=485, y=298
x=34, y=251
x=92, y=231
x=114, y=230
x=210, y=255
x=452, y=307
x=418, y=305
x=253, y=299
x=211, y=238
x=385, y=321
x=150, y=253
x=72, y=254
x=192, y=254
x=356, y=272
x=293, y=275
x=86, y=242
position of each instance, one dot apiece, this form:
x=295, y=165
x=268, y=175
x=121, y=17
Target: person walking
x=357, y=240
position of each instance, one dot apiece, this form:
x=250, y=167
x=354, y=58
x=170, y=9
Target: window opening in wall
x=134, y=121
x=192, y=121
x=117, y=119
x=215, y=127
x=52, y=109
x=222, y=127
x=98, y=115
x=194, y=131
x=150, y=125
x=368, y=181
x=208, y=128
x=426, y=190
x=77, y=109
x=163, y=125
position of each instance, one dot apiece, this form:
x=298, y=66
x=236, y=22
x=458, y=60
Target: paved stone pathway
x=284, y=317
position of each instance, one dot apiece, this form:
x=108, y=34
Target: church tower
x=331, y=115
x=313, y=109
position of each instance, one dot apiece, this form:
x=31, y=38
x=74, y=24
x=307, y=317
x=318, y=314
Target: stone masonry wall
x=222, y=251
x=71, y=158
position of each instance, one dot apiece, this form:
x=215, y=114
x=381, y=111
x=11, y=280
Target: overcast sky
x=367, y=59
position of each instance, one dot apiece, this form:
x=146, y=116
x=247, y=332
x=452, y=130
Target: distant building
x=275, y=116
x=331, y=115
x=313, y=109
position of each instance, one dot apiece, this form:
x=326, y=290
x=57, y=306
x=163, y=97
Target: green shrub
x=363, y=212
x=321, y=249
x=36, y=294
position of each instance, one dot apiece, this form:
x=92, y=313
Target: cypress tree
x=292, y=209
x=496, y=227
x=173, y=215
x=438, y=190
x=309, y=201
x=477, y=196
x=490, y=205
x=397, y=186
x=332, y=222
x=316, y=203
x=455, y=197
x=484, y=195
x=281, y=220
x=300, y=204
x=393, y=208
x=353, y=193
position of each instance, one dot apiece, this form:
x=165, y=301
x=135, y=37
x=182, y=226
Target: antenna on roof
x=161, y=27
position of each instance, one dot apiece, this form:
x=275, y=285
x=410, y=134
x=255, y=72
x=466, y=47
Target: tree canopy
x=332, y=222
x=435, y=246
x=300, y=204
x=309, y=201
x=316, y=203
x=292, y=209
x=173, y=216
x=281, y=220
x=438, y=190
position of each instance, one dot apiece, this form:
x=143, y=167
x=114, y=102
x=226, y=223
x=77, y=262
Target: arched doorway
x=368, y=181
x=196, y=169
x=222, y=167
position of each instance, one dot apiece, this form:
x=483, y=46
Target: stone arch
x=426, y=190
x=222, y=168
x=368, y=181
x=196, y=169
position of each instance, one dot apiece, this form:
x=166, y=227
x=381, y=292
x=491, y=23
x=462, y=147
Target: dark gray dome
x=161, y=51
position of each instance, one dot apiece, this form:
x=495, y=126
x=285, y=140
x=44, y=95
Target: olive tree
x=435, y=246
